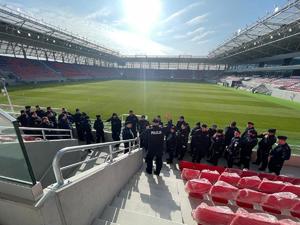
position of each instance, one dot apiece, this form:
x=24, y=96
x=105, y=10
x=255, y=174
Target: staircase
x=150, y=200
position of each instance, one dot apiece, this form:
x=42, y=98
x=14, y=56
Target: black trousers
x=262, y=158
x=275, y=166
x=245, y=162
x=100, y=137
x=158, y=162
x=171, y=152
x=116, y=137
x=198, y=155
x=181, y=151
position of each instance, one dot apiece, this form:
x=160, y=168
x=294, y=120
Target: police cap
x=282, y=137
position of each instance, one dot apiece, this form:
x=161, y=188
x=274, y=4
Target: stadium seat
x=249, y=173
x=280, y=201
x=268, y=176
x=234, y=170
x=186, y=164
x=249, y=182
x=295, y=189
x=296, y=181
x=288, y=222
x=197, y=187
x=295, y=210
x=230, y=178
x=245, y=218
x=286, y=179
x=219, y=215
x=249, y=197
x=270, y=187
x=189, y=174
x=222, y=192
x=212, y=176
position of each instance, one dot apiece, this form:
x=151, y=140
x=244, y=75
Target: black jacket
x=127, y=134
x=229, y=134
x=99, y=126
x=280, y=153
x=217, y=145
x=247, y=144
x=266, y=143
x=142, y=125
x=202, y=142
x=234, y=148
x=171, y=141
x=155, y=140
x=116, y=124
x=134, y=120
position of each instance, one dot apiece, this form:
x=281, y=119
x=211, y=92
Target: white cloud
x=104, y=12
x=201, y=36
x=197, y=20
x=190, y=33
x=181, y=12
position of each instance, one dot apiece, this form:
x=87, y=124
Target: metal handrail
x=57, y=169
x=47, y=129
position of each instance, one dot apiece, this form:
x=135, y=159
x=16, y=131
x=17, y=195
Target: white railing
x=46, y=133
x=57, y=168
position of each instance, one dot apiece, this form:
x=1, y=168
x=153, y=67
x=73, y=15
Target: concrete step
x=164, y=210
x=103, y=222
x=126, y=217
x=151, y=188
x=159, y=182
x=144, y=175
x=144, y=197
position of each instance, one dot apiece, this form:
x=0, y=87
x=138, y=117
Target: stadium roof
x=274, y=34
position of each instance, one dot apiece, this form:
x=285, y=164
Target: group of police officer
x=207, y=143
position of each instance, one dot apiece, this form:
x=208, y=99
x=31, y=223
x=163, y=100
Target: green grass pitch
x=206, y=103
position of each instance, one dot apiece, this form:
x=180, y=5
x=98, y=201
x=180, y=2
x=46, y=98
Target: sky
x=150, y=27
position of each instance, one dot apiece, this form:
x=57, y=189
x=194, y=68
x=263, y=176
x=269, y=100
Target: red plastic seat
x=244, y=218
x=281, y=201
x=186, y=164
x=295, y=189
x=296, y=181
x=249, y=173
x=250, y=196
x=212, y=176
x=249, y=182
x=189, y=174
x=295, y=210
x=286, y=179
x=230, y=178
x=217, y=215
x=224, y=191
x=197, y=187
x=234, y=170
x=288, y=222
x=268, y=176
x=268, y=186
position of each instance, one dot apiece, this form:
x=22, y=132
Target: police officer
x=127, y=134
x=201, y=142
x=155, y=138
x=23, y=119
x=180, y=122
x=250, y=126
x=159, y=121
x=217, y=147
x=234, y=150
x=99, y=127
x=264, y=147
x=132, y=118
x=116, y=126
x=193, y=133
x=87, y=128
x=182, y=141
x=41, y=113
x=77, y=119
x=248, y=142
x=171, y=141
x=143, y=124
x=278, y=155
x=229, y=133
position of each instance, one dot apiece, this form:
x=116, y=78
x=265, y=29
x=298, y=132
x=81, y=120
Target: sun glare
x=142, y=15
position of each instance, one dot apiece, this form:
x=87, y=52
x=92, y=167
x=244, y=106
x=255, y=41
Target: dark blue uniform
x=201, y=142
x=116, y=126
x=278, y=155
x=99, y=127
x=127, y=134
x=234, y=152
x=264, y=147
x=155, y=140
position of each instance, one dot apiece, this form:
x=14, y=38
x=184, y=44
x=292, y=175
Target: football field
x=206, y=103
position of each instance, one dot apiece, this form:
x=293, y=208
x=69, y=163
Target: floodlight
x=18, y=31
x=29, y=35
